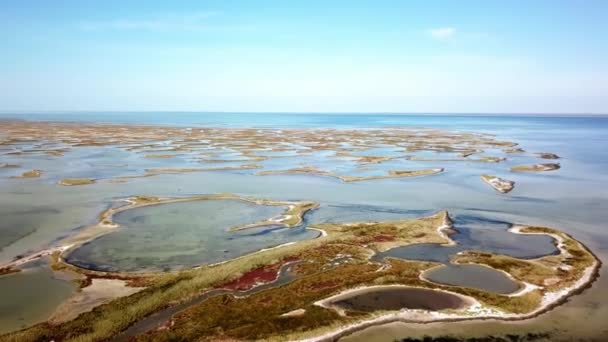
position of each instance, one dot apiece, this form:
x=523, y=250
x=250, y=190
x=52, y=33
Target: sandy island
x=499, y=184
x=536, y=167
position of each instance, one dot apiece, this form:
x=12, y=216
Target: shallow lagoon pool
x=184, y=234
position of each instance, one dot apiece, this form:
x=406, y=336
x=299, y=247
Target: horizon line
x=580, y=114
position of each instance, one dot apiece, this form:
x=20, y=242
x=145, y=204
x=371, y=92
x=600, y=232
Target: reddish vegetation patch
x=383, y=238
x=262, y=274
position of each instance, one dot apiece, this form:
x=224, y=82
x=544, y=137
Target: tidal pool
x=477, y=233
x=182, y=235
x=31, y=296
x=474, y=276
x=397, y=298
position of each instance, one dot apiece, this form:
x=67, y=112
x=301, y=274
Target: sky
x=305, y=56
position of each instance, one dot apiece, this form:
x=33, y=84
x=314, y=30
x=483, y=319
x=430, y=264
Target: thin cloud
x=168, y=22
x=442, y=33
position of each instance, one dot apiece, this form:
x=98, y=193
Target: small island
x=30, y=174
x=76, y=181
x=311, y=170
x=499, y=184
x=547, y=155
x=536, y=167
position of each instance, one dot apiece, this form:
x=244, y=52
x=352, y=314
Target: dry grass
x=536, y=168
x=76, y=181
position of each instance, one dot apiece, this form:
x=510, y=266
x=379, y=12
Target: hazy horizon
x=25, y=112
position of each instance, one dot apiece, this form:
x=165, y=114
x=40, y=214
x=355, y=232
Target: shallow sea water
x=182, y=235
x=36, y=212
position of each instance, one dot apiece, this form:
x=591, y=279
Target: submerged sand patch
x=100, y=291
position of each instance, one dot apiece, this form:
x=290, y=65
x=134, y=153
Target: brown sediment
x=536, y=168
x=76, y=181
x=30, y=174
x=55, y=153
x=311, y=170
x=393, y=174
x=8, y=166
x=122, y=179
x=547, y=155
x=481, y=160
x=161, y=156
x=8, y=270
x=341, y=154
x=244, y=160
x=514, y=150
x=373, y=159
x=467, y=153
x=491, y=159
x=499, y=184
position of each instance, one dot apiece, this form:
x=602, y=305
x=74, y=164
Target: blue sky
x=305, y=56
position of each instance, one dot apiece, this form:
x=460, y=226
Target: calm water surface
x=186, y=234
